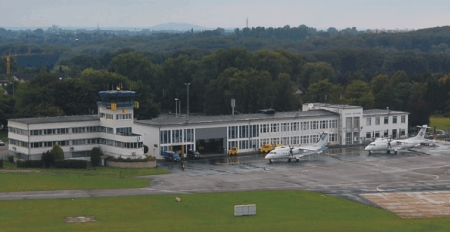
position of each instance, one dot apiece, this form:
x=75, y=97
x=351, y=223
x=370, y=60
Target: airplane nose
x=268, y=156
x=367, y=148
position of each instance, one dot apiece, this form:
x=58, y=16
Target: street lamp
x=187, y=110
x=176, y=107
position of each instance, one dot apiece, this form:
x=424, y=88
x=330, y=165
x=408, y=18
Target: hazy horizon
x=320, y=14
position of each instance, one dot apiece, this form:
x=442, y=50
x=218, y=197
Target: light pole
x=187, y=110
x=176, y=107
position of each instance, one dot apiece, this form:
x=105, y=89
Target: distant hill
x=178, y=27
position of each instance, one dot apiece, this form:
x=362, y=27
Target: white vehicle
x=389, y=145
x=2, y=143
x=289, y=153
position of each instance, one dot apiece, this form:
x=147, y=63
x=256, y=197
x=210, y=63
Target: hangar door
x=211, y=140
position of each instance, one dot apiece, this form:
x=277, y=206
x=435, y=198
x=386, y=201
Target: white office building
x=110, y=129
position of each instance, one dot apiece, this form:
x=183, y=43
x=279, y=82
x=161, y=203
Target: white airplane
x=389, y=145
x=289, y=153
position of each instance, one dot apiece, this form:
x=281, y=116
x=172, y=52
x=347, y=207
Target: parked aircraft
x=388, y=145
x=289, y=153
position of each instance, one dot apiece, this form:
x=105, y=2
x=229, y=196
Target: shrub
x=78, y=164
x=10, y=158
x=120, y=159
x=96, y=154
x=1, y=163
x=29, y=163
x=57, y=152
x=48, y=159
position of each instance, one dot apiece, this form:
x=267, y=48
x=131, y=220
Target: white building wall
x=384, y=130
x=150, y=137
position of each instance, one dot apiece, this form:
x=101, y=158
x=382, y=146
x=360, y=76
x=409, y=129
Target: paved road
x=345, y=172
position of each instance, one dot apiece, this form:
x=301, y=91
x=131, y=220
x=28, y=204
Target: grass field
x=441, y=123
x=276, y=211
x=62, y=179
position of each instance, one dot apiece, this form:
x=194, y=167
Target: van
x=193, y=154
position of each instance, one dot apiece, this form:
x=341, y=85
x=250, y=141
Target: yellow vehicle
x=266, y=148
x=233, y=151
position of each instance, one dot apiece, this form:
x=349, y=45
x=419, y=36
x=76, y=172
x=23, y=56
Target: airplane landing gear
x=297, y=160
x=289, y=160
x=388, y=152
x=395, y=152
x=270, y=161
x=370, y=153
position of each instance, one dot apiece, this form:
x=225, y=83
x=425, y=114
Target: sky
x=321, y=14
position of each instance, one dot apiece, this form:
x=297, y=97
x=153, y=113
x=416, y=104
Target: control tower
x=115, y=110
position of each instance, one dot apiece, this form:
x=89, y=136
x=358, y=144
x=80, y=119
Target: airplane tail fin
x=422, y=132
x=323, y=140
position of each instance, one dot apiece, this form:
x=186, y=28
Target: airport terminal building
x=110, y=129
x=114, y=130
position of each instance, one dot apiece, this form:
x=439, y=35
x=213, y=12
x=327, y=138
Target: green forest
x=259, y=67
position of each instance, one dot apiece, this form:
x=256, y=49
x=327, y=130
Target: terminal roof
x=57, y=119
x=171, y=120
x=375, y=112
x=333, y=105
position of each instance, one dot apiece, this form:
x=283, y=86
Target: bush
x=78, y=164
x=10, y=158
x=120, y=159
x=57, y=152
x=29, y=163
x=96, y=154
x=48, y=159
x=1, y=163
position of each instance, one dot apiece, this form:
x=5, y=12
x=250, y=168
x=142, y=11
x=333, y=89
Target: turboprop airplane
x=296, y=153
x=389, y=145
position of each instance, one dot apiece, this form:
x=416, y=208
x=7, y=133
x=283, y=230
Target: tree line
x=257, y=80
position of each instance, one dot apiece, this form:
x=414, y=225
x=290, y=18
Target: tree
x=47, y=159
x=324, y=91
x=314, y=72
x=6, y=109
x=134, y=66
x=57, y=152
x=285, y=99
x=96, y=154
x=378, y=83
x=358, y=93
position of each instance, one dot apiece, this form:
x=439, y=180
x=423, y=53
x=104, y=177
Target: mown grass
x=37, y=179
x=276, y=211
x=441, y=123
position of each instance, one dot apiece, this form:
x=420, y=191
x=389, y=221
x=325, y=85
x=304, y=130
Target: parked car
x=171, y=156
x=193, y=154
x=2, y=143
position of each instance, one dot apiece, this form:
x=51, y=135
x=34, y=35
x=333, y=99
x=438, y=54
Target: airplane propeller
x=290, y=151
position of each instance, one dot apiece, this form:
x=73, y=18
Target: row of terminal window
x=385, y=134
x=64, y=143
x=109, y=130
x=293, y=140
x=118, y=116
x=250, y=131
x=385, y=120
